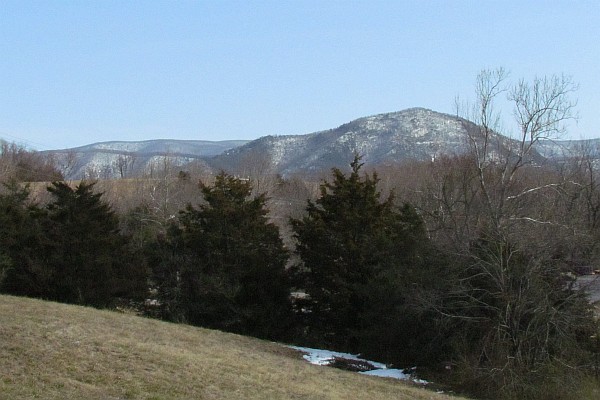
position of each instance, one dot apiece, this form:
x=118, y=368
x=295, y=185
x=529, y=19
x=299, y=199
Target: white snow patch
x=387, y=373
x=326, y=357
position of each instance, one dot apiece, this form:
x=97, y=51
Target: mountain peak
x=414, y=133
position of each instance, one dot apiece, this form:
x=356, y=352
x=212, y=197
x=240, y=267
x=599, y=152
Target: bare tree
x=258, y=167
x=7, y=166
x=580, y=203
x=507, y=293
x=124, y=164
x=540, y=111
x=67, y=162
x=17, y=162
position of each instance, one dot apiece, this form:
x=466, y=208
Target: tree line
x=18, y=163
x=462, y=266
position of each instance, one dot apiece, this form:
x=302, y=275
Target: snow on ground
x=326, y=357
x=388, y=373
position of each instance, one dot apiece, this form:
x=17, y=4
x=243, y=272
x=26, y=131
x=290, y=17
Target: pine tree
x=357, y=250
x=167, y=259
x=235, y=277
x=22, y=268
x=91, y=262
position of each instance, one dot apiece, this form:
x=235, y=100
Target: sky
x=76, y=72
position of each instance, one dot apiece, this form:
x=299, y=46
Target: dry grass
x=56, y=351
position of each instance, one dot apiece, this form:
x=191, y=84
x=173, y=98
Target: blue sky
x=79, y=72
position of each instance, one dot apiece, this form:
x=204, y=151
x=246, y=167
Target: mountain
x=125, y=159
x=564, y=149
x=412, y=134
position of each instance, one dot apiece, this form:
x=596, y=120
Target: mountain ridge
x=411, y=134
x=415, y=133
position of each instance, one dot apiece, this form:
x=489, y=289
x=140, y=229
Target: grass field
x=57, y=351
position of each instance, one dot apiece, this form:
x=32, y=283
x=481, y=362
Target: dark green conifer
x=92, y=263
x=22, y=268
x=359, y=253
x=235, y=277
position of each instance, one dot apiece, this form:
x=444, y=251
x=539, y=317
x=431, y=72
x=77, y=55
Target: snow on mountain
x=412, y=134
x=415, y=133
x=125, y=159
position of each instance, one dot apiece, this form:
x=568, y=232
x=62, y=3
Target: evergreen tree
x=92, y=263
x=22, y=268
x=234, y=277
x=359, y=255
x=167, y=257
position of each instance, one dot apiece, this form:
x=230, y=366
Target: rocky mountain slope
x=127, y=159
x=415, y=133
x=412, y=134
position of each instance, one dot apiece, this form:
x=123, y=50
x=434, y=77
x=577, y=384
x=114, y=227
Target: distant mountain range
x=412, y=134
x=128, y=159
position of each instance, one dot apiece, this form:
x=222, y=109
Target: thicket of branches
x=18, y=163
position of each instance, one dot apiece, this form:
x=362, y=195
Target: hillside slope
x=56, y=351
x=120, y=159
x=412, y=134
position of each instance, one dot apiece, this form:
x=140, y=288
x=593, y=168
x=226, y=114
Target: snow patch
x=387, y=373
x=327, y=357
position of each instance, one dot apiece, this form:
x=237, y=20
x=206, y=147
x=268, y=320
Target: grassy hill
x=57, y=351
